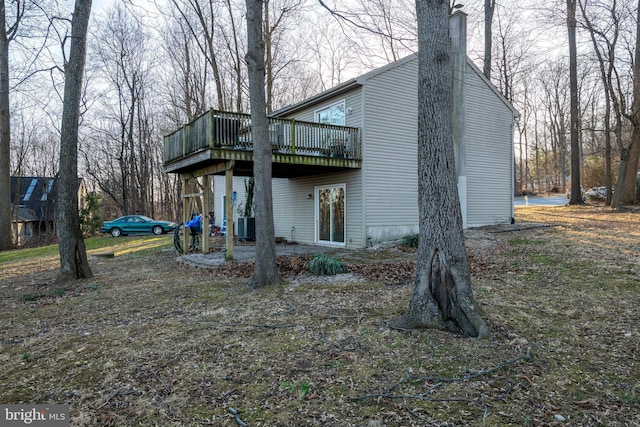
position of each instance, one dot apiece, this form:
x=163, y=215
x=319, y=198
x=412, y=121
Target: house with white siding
x=345, y=160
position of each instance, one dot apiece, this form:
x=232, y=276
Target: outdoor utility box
x=246, y=228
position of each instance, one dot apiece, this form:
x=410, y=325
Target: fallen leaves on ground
x=148, y=341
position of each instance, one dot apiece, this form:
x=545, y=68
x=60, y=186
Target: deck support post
x=206, y=202
x=185, y=213
x=228, y=180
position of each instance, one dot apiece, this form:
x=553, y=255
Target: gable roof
x=23, y=214
x=316, y=99
x=35, y=194
x=361, y=81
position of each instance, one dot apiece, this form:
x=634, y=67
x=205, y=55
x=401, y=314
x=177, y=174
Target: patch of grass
x=526, y=241
x=627, y=398
x=287, y=386
x=325, y=265
x=302, y=389
x=543, y=259
x=132, y=242
x=32, y=296
x=57, y=292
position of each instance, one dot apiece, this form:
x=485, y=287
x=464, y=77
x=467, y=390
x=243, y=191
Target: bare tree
x=330, y=53
x=554, y=98
x=606, y=22
x=277, y=14
x=266, y=269
x=201, y=18
x=626, y=187
x=73, y=256
x=8, y=31
x=186, y=77
x=576, y=193
x=233, y=46
x=125, y=69
x=383, y=31
x=442, y=296
x=606, y=61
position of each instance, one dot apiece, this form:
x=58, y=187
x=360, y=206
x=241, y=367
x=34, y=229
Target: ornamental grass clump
x=325, y=265
x=410, y=241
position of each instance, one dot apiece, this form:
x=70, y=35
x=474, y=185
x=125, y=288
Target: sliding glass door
x=330, y=214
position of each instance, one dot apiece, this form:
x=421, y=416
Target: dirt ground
x=149, y=341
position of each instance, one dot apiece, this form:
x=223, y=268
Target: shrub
x=410, y=241
x=325, y=265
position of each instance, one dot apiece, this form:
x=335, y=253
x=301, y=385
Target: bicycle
x=178, y=238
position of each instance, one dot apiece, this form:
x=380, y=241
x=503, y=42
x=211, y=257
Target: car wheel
x=116, y=232
x=157, y=230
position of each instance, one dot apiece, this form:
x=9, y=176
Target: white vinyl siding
x=382, y=197
x=489, y=154
x=219, y=191
x=285, y=209
x=390, y=152
x=295, y=213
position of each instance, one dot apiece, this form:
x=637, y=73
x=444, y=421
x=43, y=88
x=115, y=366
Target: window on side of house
x=333, y=114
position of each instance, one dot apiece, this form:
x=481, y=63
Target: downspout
x=458, y=35
x=363, y=169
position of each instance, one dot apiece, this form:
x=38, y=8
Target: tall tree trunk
x=73, y=256
x=266, y=269
x=489, y=7
x=442, y=296
x=626, y=188
x=268, y=47
x=605, y=76
x=237, y=62
x=5, y=134
x=132, y=208
x=576, y=192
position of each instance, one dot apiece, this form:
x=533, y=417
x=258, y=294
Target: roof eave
x=316, y=99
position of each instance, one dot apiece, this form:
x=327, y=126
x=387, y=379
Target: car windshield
x=146, y=218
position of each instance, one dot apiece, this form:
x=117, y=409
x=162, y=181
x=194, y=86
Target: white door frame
x=316, y=194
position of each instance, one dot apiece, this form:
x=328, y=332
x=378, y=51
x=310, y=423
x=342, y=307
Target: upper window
x=333, y=114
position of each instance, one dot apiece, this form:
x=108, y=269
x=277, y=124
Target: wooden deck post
x=293, y=137
x=185, y=214
x=228, y=180
x=206, y=196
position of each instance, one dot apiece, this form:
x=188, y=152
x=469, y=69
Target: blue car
x=137, y=224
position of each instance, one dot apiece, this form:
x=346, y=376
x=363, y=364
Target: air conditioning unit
x=246, y=228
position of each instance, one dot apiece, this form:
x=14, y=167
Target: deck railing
x=232, y=131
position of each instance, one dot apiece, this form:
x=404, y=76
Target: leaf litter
x=149, y=341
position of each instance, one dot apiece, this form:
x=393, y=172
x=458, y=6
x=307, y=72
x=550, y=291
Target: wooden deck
x=299, y=148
